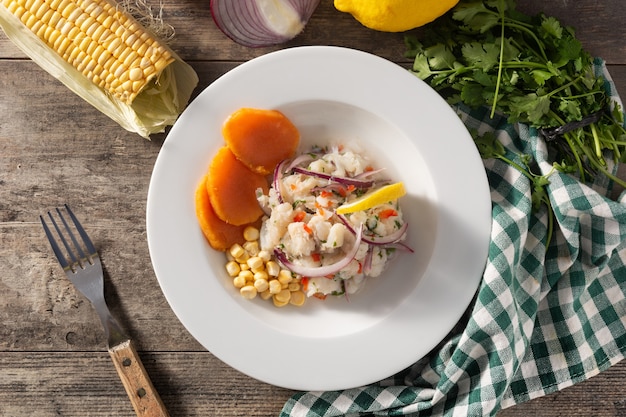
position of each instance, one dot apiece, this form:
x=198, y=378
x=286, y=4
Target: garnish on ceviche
x=330, y=220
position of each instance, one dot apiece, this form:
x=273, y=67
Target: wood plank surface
x=54, y=149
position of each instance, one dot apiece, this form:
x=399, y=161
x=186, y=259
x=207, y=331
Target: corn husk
x=157, y=106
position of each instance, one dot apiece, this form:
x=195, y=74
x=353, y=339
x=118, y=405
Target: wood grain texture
x=55, y=149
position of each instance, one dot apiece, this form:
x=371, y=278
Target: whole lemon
x=395, y=15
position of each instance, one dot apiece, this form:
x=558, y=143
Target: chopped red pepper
x=385, y=214
x=343, y=191
x=299, y=216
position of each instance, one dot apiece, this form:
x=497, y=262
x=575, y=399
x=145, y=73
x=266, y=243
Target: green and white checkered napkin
x=542, y=320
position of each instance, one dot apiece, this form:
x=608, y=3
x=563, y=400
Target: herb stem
x=596, y=142
x=499, y=76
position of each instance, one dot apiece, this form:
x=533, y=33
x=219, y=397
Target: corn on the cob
x=95, y=37
x=96, y=42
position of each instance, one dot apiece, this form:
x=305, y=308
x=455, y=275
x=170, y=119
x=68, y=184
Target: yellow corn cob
x=99, y=40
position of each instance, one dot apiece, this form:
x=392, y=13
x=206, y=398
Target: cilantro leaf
x=484, y=56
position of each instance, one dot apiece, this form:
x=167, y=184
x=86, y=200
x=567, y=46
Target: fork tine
x=67, y=235
x=55, y=246
x=68, y=248
x=81, y=254
x=90, y=247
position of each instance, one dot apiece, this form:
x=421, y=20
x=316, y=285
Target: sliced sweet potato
x=260, y=138
x=232, y=189
x=220, y=235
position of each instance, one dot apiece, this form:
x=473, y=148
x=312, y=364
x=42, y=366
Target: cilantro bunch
x=531, y=69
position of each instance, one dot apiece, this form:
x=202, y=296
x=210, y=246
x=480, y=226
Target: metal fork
x=83, y=268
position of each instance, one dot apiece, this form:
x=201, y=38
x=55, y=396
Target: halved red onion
x=257, y=23
x=375, y=240
x=320, y=271
x=341, y=180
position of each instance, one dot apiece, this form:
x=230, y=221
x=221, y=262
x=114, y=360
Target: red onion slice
x=277, y=179
x=320, y=271
x=256, y=23
x=375, y=240
x=341, y=180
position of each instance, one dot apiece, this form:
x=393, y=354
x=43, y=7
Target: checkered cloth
x=542, y=319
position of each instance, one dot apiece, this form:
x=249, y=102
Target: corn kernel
x=236, y=251
x=233, y=268
x=246, y=275
x=266, y=295
x=272, y=268
x=293, y=286
x=239, y=281
x=261, y=275
x=284, y=276
x=278, y=303
x=251, y=233
x=243, y=258
x=252, y=248
x=297, y=298
x=255, y=263
x=275, y=286
x=248, y=292
x=265, y=255
x=283, y=296
x=261, y=285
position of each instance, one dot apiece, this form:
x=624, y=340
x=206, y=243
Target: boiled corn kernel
x=261, y=285
x=284, y=276
x=233, y=268
x=251, y=233
x=255, y=263
x=265, y=255
x=283, y=296
x=248, y=292
x=297, y=298
x=275, y=286
x=261, y=275
x=272, y=268
x=236, y=251
x=239, y=281
x=247, y=275
x=252, y=248
x=279, y=303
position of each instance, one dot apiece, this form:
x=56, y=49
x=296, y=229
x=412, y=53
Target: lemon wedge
x=375, y=198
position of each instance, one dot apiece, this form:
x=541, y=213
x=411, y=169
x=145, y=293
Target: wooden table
x=55, y=149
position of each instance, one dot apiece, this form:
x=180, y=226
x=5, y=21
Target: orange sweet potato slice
x=260, y=138
x=220, y=235
x=232, y=189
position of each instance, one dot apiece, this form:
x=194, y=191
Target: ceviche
x=332, y=219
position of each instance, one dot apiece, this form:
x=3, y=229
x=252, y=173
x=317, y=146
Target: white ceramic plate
x=331, y=94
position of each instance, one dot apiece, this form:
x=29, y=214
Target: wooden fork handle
x=145, y=399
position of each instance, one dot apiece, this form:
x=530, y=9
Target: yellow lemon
x=380, y=196
x=395, y=15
